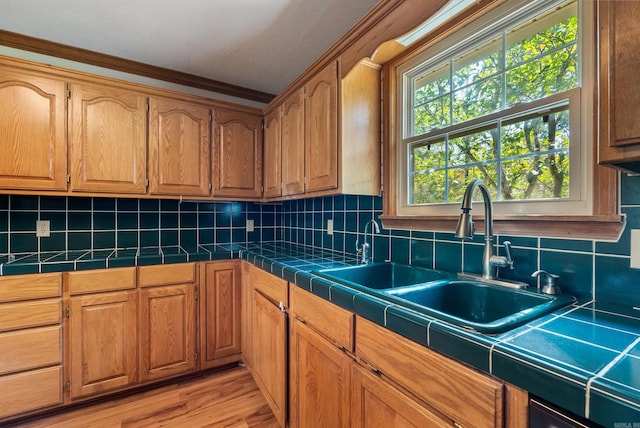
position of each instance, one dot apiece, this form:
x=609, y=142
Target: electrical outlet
x=330, y=227
x=635, y=248
x=250, y=227
x=43, y=228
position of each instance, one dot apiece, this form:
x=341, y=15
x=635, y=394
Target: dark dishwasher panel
x=542, y=415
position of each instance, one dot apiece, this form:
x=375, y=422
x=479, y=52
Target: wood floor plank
x=228, y=399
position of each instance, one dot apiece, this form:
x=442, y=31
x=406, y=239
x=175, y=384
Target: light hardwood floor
x=224, y=399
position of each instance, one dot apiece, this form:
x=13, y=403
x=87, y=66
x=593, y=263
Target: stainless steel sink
x=479, y=306
x=377, y=276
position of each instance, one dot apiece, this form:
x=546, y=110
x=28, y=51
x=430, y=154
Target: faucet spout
x=363, y=249
x=466, y=228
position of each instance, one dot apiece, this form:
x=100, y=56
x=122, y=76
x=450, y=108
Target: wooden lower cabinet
x=459, y=393
x=269, y=353
x=320, y=380
x=167, y=331
x=220, y=313
x=30, y=343
x=103, y=342
x=376, y=403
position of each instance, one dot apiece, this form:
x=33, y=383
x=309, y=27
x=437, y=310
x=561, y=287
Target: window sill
x=600, y=227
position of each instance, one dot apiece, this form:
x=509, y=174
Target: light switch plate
x=250, y=226
x=330, y=227
x=635, y=248
x=43, y=228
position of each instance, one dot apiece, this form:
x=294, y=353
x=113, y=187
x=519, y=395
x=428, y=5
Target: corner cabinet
x=619, y=93
x=33, y=112
x=107, y=139
x=179, y=142
x=272, y=155
x=220, y=313
x=237, y=154
x=321, y=130
x=329, y=134
x=269, y=339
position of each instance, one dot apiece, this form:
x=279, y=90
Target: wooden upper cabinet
x=292, y=111
x=107, y=139
x=237, y=154
x=179, y=141
x=272, y=155
x=33, y=142
x=321, y=126
x=619, y=91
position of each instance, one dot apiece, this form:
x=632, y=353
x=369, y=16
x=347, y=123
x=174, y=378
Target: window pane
x=435, y=114
x=472, y=148
x=477, y=100
x=432, y=84
x=542, y=132
x=460, y=177
x=542, y=35
x=480, y=63
x=536, y=177
x=431, y=99
x=426, y=157
x=548, y=75
x=428, y=188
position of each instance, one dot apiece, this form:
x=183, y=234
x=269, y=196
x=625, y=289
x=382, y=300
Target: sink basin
x=379, y=276
x=478, y=306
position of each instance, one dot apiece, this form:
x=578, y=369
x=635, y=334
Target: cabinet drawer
x=464, y=395
x=34, y=286
x=149, y=276
x=29, y=349
x=94, y=281
x=31, y=390
x=270, y=285
x=30, y=314
x=332, y=321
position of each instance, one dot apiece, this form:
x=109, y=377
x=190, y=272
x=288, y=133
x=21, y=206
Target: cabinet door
x=167, y=331
x=320, y=380
x=247, y=316
x=293, y=144
x=107, y=140
x=179, y=141
x=103, y=338
x=237, y=154
x=269, y=354
x=272, y=146
x=321, y=130
x=378, y=404
x=32, y=131
x=619, y=91
x=220, y=330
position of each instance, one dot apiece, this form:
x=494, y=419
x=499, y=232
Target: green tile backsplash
x=587, y=269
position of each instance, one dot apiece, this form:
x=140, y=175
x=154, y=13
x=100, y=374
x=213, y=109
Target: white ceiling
x=257, y=44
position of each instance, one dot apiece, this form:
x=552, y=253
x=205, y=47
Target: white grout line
x=603, y=371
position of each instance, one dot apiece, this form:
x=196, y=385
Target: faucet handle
x=549, y=280
x=507, y=250
x=503, y=261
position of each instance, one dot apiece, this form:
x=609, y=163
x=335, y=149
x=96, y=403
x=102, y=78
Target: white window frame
x=581, y=155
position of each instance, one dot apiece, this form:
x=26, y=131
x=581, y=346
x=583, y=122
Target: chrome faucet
x=363, y=250
x=466, y=228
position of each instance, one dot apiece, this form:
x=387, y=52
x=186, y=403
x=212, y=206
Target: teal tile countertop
x=584, y=358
